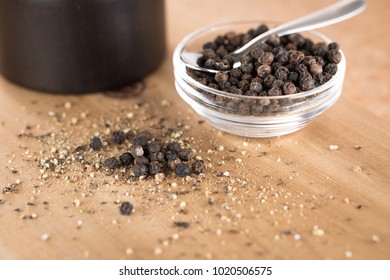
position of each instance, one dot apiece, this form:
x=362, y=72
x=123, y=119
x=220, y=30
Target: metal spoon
x=332, y=14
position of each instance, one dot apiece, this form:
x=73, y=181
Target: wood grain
x=287, y=197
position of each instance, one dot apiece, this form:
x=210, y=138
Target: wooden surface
x=288, y=197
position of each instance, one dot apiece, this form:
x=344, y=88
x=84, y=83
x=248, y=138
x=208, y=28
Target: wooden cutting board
x=290, y=197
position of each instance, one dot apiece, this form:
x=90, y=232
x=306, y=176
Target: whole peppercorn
x=154, y=168
x=221, y=77
x=198, y=167
x=118, y=137
x=319, y=60
x=320, y=49
x=256, y=86
x=209, y=63
x=140, y=140
x=140, y=170
x=293, y=76
x=244, y=109
x=246, y=77
x=156, y=157
x=185, y=154
x=182, y=169
x=282, y=73
x=282, y=57
x=334, y=46
x=126, y=208
x=278, y=83
x=261, y=29
x=289, y=88
x=296, y=57
x=275, y=91
x=210, y=45
x=268, y=81
x=256, y=52
x=236, y=73
x=153, y=147
x=170, y=155
x=222, y=65
x=111, y=163
x=331, y=68
x=273, y=40
x=301, y=68
x=96, y=143
x=307, y=82
x=141, y=160
x=334, y=56
x=146, y=134
x=246, y=68
x=264, y=70
x=174, y=146
x=315, y=68
x=126, y=159
x=266, y=58
x=137, y=151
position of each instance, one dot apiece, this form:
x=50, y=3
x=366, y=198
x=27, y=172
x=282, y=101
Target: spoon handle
x=332, y=14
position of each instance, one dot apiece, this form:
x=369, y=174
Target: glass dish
x=252, y=116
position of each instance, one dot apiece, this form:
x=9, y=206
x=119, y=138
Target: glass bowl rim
x=203, y=30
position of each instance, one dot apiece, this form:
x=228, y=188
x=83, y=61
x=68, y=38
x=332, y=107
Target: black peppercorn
x=198, y=167
x=137, y=150
x=140, y=170
x=331, y=68
x=266, y=58
x=141, y=160
x=170, y=155
x=307, y=82
x=185, y=154
x=182, y=169
x=263, y=70
x=111, y=163
x=156, y=157
x=96, y=143
x=174, y=146
x=221, y=77
x=315, y=68
x=334, y=56
x=154, y=168
x=275, y=91
x=256, y=52
x=126, y=159
x=126, y=208
x=282, y=73
x=118, y=137
x=153, y=147
x=256, y=86
x=289, y=88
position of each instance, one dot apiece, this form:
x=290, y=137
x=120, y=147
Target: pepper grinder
x=79, y=46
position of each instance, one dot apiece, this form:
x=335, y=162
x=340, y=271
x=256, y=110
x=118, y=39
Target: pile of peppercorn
x=147, y=156
x=278, y=66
